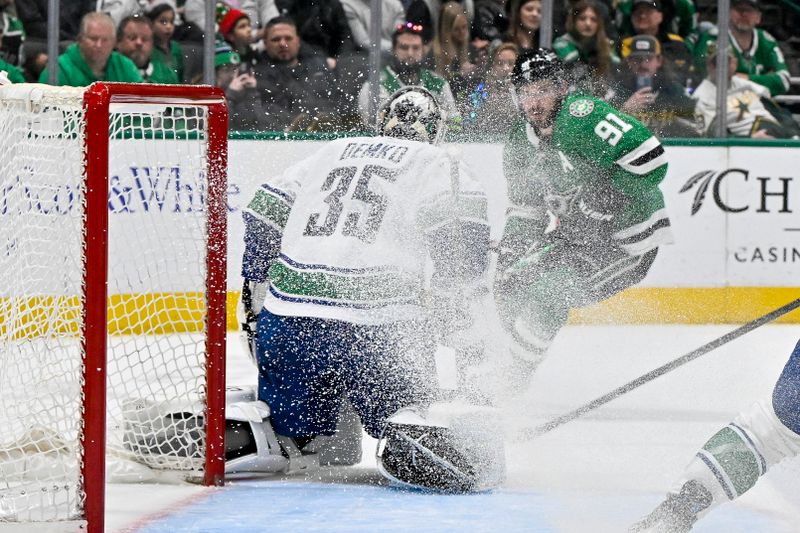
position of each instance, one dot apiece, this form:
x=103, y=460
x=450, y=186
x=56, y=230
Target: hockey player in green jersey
x=586, y=216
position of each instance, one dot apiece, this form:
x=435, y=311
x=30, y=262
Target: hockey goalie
x=342, y=319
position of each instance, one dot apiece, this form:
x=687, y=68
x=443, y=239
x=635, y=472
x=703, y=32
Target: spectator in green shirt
x=758, y=56
x=92, y=58
x=135, y=41
x=11, y=32
x=166, y=50
x=13, y=73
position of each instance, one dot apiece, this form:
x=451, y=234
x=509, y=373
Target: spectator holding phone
x=245, y=111
x=648, y=90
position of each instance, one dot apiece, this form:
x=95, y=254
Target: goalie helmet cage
x=92, y=334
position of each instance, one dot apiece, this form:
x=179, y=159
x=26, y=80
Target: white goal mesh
x=157, y=313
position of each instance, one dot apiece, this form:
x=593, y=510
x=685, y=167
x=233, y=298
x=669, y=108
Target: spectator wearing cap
x=750, y=110
x=166, y=50
x=405, y=68
x=135, y=41
x=12, y=33
x=245, y=110
x=586, y=42
x=258, y=11
x=294, y=86
x=487, y=30
x=647, y=90
x=491, y=21
x=237, y=30
x=678, y=17
x=758, y=56
x=647, y=18
x=92, y=58
x=358, y=18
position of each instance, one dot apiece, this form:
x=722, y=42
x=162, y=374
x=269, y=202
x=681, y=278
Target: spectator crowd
x=302, y=65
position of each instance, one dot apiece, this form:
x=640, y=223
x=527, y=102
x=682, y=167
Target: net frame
x=97, y=101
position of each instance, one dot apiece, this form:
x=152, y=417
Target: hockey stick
x=534, y=432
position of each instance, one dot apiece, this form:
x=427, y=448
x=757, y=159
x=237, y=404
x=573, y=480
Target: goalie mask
x=412, y=113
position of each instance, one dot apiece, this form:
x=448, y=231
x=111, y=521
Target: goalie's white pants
x=733, y=459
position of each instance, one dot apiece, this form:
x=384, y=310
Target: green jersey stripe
x=734, y=458
x=377, y=287
x=270, y=207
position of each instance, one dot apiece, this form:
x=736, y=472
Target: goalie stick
x=533, y=432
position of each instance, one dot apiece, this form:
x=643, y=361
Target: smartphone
x=643, y=81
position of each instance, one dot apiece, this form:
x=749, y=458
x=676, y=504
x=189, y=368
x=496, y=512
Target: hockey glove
x=582, y=217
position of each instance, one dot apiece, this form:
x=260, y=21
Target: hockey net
x=124, y=182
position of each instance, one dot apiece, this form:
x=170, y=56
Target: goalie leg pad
x=416, y=453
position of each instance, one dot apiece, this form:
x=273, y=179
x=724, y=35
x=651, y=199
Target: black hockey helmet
x=412, y=113
x=537, y=64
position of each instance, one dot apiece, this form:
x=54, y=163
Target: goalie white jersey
x=346, y=233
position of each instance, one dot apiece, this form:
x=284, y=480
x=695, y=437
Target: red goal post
x=172, y=142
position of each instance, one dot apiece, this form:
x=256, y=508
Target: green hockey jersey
x=763, y=62
x=599, y=161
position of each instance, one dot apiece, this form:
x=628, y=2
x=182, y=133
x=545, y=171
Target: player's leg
x=786, y=395
x=300, y=394
x=299, y=373
x=300, y=420
x=533, y=300
x=389, y=367
x=392, y=383
x=735, y=457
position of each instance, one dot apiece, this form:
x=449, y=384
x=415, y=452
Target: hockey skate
x=678, y=513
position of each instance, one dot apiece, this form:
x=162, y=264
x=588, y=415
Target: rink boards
x=733, y=211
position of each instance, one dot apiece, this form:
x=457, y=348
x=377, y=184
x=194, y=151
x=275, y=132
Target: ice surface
x=599, y=473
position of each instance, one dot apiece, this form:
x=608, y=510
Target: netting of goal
x=124, y=182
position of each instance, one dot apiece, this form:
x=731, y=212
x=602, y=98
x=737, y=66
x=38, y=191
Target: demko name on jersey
x=389, y=152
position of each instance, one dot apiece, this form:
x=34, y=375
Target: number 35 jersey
x=347, y=233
